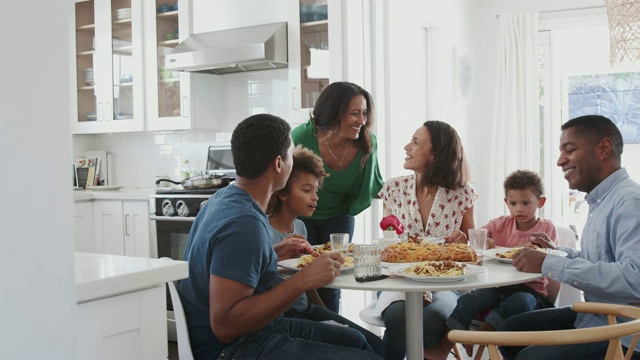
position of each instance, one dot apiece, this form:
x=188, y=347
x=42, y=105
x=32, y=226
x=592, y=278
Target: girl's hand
x=456, y=237
x=292, y=246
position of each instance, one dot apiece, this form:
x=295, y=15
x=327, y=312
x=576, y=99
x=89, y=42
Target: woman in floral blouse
x=435, y=201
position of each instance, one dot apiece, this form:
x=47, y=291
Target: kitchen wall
x=142, y=158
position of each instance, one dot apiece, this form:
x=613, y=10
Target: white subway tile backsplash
x=165, y=150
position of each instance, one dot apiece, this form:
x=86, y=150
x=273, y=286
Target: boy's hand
x=490, y=243
x=292, y=246
x=541, y=239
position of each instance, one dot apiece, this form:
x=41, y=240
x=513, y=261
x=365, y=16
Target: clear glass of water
x=339, y=242
x=478, y=240
x=367, y=261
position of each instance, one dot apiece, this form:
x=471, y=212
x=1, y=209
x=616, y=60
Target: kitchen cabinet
x=83, y=226
x=108, y=63
x=129, y=326
x=315, y=52
x=175, y=100
x=122, y=228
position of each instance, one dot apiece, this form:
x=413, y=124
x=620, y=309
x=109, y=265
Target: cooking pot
x=204, y=181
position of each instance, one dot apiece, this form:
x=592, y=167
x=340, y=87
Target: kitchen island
x=122, y=308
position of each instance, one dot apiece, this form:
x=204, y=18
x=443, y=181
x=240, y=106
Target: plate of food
x=298, y=263
x=505, y=254
x=425, y=240
x=326, y=247
x=417, y=252
x=436, y=271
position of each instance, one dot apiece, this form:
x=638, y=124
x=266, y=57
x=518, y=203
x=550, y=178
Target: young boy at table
x=523, y=192
x=299, y=197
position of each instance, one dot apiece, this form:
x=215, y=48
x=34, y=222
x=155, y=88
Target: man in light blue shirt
x=607, y=267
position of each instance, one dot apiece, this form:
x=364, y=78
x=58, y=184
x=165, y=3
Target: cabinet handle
x=100, y=114
x=295, y=98
x=126, y=224
x=186, y=108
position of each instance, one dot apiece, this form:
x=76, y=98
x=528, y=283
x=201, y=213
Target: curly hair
x=304, y=161
x=524, y=180
x=333, y=102
x=449, y=167
x=256, y=141
x=595, y=128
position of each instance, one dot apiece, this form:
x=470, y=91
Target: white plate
x=98, y=188
x=433, y=240
x=469, y=270
x=491, y=253
x=385, y=264
x=290, y=264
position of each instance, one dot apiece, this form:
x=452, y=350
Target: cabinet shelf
x=168, y=80
x=170, y=43
x=168, y=15
x=86, y=27
x=314, y=26
x=88, y=52
x=84, y=88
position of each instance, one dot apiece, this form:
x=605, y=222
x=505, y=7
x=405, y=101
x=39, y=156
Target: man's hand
x=456, y=237
x=541, y=239
x=292, y=246
x=321, y=271
x=529, y=260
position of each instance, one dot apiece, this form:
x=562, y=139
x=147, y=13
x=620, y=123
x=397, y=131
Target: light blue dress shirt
x=607, y=268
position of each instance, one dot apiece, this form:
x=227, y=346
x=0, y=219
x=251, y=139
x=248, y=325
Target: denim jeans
x=317, y=234
x=301, y=339
x=317, y=313
x=477, y=301
x=434, y=316
x=551, y=319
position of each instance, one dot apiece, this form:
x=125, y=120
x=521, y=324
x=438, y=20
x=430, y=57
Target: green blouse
x=347, y=191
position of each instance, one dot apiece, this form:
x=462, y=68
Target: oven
x=174, y=211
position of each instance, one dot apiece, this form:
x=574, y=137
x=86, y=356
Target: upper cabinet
x=175, y=100
x=315, y=52
x=120, y=81
x=109, y=66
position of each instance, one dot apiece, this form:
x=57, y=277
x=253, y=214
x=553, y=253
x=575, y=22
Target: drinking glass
x=340, y=242
x=478, y=240
x=367, y=262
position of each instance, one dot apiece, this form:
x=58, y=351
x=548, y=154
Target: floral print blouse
x=399, y=195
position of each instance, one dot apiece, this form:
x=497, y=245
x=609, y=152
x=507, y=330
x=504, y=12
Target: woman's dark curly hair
x=304, y=161
x=333, y=102
x=523, y=180
x=449, y=167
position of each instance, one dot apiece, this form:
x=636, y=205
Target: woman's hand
x=292, y=246
x=456, y=237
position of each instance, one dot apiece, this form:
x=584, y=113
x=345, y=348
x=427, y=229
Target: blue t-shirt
x=230, y=239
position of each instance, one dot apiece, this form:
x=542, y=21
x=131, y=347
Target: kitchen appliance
x=260, y=47
x=174, y=211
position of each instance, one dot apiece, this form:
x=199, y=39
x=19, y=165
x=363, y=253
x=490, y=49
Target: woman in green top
x=339, y=131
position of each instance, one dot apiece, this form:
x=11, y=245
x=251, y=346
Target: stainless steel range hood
x=259, y=47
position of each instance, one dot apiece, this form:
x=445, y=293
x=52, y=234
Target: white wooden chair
x=184, y=343
x=612, y=333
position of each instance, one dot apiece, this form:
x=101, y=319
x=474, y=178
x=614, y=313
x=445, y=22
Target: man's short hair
x=595, y=128
x=256, y=141
x=524, y=180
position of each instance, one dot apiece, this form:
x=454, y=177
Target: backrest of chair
x=184, y=343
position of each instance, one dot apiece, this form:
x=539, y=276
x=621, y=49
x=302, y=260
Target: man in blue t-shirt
x=232, y=299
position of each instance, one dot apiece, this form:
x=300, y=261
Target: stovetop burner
x=186, y=192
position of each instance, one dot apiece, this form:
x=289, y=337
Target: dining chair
x=184, y=343
x=368, y=315
x=612, y=332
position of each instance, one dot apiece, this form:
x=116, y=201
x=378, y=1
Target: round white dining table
x=497, y=274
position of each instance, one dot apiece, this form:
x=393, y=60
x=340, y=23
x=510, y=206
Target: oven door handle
x=172, y=218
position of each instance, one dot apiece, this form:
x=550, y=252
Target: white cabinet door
x=109, y=227
x=83, y=227
x=175, y=100
x=122, y=228
x=136, y=228
x=108, y=61
x=129, y=326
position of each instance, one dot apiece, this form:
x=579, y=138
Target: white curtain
x=516, y=122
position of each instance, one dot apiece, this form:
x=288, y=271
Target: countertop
x=121, y=194
x=100, y=276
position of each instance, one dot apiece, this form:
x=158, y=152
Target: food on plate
x=436, y=268
x=391, y=223
x=307, y=259
x=509, y=254
x=411, y=252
